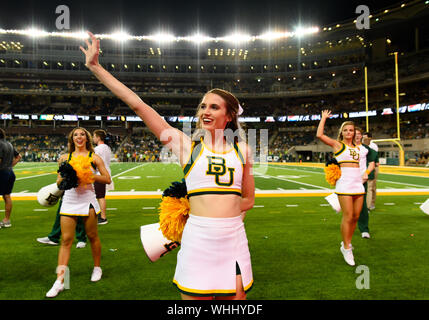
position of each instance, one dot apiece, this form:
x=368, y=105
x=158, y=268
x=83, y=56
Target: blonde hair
x=340, y=132
x=70, y=144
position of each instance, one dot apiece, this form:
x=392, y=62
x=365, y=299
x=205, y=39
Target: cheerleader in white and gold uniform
x=80, y=202
x=220, y=190
x=349, y=187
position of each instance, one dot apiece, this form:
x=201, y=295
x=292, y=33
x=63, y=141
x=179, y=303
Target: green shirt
x=370, y=157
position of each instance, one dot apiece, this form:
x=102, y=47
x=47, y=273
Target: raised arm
x=324, y=138
x=175, y=139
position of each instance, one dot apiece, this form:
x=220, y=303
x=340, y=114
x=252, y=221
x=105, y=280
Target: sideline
x=259, y=194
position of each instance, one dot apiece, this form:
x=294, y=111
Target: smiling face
x=80, y=138
x=212, y=112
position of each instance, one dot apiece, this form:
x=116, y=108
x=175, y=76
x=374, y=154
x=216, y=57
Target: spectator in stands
x=9, y=157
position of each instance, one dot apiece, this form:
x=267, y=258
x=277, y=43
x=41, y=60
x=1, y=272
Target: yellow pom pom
x=82, y=166
x=173, y=214
x=332, y=174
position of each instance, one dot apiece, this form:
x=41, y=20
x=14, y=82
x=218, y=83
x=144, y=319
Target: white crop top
x=347, y=154
x=209, y=172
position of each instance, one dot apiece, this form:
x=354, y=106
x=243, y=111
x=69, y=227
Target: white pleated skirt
x=350, y=182
x=211, y=249
x=77, y=201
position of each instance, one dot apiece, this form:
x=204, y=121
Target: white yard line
x=38, y=175
x=284, y=179
x=405, y=184
x=386, y=181
x=307, y=171
x=121, y=173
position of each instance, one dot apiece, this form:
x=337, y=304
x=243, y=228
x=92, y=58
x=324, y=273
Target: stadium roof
x=183, y=18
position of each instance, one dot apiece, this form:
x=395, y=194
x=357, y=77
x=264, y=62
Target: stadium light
x=120, y=36
x=300, y=31
x=270, y=35
x=196, y=38
x=162, y=37
x=236, y=38
x=35, y=33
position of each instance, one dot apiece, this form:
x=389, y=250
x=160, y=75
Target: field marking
x=40, y=210
x=385, y=181
x=306, y=171
x=110, y=209
x=39, y=175
x=291, y=205
x=389, y=204
x=259, y=206
x=408, y=184
x=121, y=173
x=259, y=194
x=288, y=180
x=148, y=208
x=35, y=167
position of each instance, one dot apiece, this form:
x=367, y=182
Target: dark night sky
x=183, y=17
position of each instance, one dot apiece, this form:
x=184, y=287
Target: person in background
x=372, y=178
x=366, y=164
x=9, y=157
x=104, y=151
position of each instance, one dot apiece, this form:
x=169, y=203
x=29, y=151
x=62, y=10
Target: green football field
x=294, y=238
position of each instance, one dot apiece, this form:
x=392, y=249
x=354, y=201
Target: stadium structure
x=283, y=80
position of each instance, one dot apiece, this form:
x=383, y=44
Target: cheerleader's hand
x=59, y=180
x=92, y=52
x=326, y=114
x=364, y=177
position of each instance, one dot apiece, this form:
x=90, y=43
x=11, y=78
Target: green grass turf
x=153, y=176
x=295, y=253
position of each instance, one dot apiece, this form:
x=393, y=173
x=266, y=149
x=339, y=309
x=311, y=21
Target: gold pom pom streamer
x=332, y=174
x=82, y=166
x=173, y=214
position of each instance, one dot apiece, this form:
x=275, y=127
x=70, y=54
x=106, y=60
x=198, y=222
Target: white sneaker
x=46, y=240
x=6, y=224
x=371, y=208
x=96, y=274
x=366, y=235
x=81, y=245
x=56, y=288
x=348, y=254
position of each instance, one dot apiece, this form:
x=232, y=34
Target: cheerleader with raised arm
x=349, y=187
